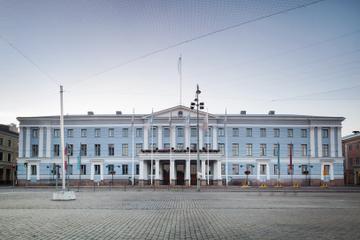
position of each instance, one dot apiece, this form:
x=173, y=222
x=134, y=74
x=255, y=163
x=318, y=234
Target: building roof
x=8, y=129
x=351, y=137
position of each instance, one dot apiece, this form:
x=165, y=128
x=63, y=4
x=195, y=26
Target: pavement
x=28, y=213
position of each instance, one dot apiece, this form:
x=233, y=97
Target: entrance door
x=193, y=174
x=180, y=178
x=166, y=174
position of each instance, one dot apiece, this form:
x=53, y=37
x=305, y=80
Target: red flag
x=65, y=165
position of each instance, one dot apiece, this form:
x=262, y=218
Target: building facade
x=351, y=149
x=8, y=153
x=161, y=148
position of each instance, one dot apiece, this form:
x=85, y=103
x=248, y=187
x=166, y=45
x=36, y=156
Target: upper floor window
x=70, y=149
x=222, y=148
x=180, y=146
x=325, y=150
x=249, y=132
x=276, y=149
x=125, y=149
x=208, y=132
x=290, y=132
x=180, y=132
x=70, y=132
x=9, y=143
x=56, y=150
x=56, y=133
x=153, y=132
x=166, y=132
x=303, y=133
x=111, y=132
x=139, y=132
x=35, y=150
x=276, y=132
x=193, y=132
x=235, y=149
x=35, y=133
x=262, y=132
x=325, y=132
x=97, y=132
x=9, y=157
x=193, y=146
x=125, y=132
x=248, y=149
x=1, y=141
x=235, y=132
x=139, y=147
x=221, y=132
x=180, y=114
x=263, y=149
x=111, y=149
x=83, y=151
x=83, y=132
x=304, y=150
x=97, y=149
x=166, y=146
x=1, y=156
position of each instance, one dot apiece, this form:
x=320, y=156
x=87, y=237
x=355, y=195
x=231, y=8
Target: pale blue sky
x=275, y=63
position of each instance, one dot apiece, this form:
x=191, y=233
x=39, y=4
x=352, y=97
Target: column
x=48, y=142
x=218, y=172
x=159, y=138
x=203, y=171
x=141, y=171
x=27, y=142
x=332, y=142
x=187, y=136
x=28, y=177
x=201, y=137
x=312, y=141
x=173, y=137
x=319, y=138
x=41, y=142
x=339, y=145
x=214, y=141
x=146, y=137
x=21, y=142
x=172, y=172
x=187, y=173
x=157, y=172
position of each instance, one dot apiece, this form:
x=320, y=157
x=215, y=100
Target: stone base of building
x=203, y=182
x=217, y=182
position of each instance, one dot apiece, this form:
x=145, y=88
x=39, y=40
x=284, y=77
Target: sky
x=302, y=61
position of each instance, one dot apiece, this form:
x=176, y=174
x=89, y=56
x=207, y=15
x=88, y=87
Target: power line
x=29, y=60
x=198, y=38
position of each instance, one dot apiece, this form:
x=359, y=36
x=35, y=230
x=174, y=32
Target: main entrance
x=193, y=173
x=166, y=174
x=180, y=172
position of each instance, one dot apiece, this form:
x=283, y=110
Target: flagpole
x=188, y=122
x=170, y=156
x=226, y=155
x=62, y=136
x=180, y=76
x=208, y=145
x=291, y=167
x=278, y=164
x=133, y=148
x=152, y=147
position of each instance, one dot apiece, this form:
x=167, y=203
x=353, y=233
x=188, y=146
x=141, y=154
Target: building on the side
x=351, y=150
x=116, y=146
x=9, y=138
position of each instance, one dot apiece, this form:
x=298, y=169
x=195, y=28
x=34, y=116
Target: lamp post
x=199, y=105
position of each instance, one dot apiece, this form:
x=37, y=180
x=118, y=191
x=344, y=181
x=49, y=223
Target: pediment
x=179, y=112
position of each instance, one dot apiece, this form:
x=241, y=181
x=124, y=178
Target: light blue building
x=160, y=148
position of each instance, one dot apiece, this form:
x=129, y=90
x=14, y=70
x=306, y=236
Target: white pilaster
x=157, y=169
x=159, y=138
x=203, y=169
x=29, y=171
x=38, y=171
x=172, y=170
x=218, y=170
x=319, y=138
x=332, y=142
x=214, y=141
x=339, y=145
x=21, y=142
x=141, y=170
x=173, y=137
x=187, y=171
x=201, y=138
x=187, y=136
x=146, y=137
x=41, y=142
x=48, y=142
x=27, y=142
x=312, y=141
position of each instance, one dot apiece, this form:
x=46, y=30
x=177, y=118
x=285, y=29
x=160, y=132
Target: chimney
x=271, y=112
x=356, y=132
x=90, y=113
x=118, y=112
x=243, y=112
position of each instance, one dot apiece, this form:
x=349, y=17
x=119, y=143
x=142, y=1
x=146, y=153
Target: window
x=180, y=132
x=222, y=148
x=276, y=149
x=304, y=150
x=9, y=143
x=326, y=170
x=70, y=149
x=111, y=149
x=137, y=168
x=263, y=149
x=304, y=169
x=33, y=170
x=124, y=169
x=222, y=169
x=303, y=133
x=70, y=133
x=262, y=169
x=139, y=132
x=248, y=149
x=180, y=114
x=35, y=133
x=125, y=132
x=1, y=141
x=276, y=169
x=83, y=169
x=325, y=150
x=325, y=132
x=166, y=132
x=193, y=146
x=97, y=169
x=276, y=132
x=193, y=132
x=180, y=146
x=111, y=132
x=208, y=132
x=56, y=150
x=207, y=146
x=221, y=132
x=249, y=132
x=139, y=147
x=97, y=132
x=235, y=169
x=35, y=150
x=235, y=132
x=9, y=157
x=69, y=169
x=97, y=150
x=249, y=167
x=56, y=133
x=166, y=145
x=262, y=132
x=125, y=149
x=290, y=149
x=290, y=132
x=83, y=132
x=153, y=132
x=1, y=156
x=152, y=146
x=235, y=149
x=110, y=168
x=83, y=150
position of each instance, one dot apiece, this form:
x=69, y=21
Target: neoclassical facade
x=160, y=148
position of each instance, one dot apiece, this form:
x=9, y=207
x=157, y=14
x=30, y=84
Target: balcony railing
x=167, y=150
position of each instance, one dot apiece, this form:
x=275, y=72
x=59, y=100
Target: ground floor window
x=33, y=170
x=70, y=169
x=97, y=169
x=110, y=168
x=276, y=169
x=326, y=170
x=124, y=169
x=263, y=169
x=137, y=169
x=83, y=169
x=235, y=169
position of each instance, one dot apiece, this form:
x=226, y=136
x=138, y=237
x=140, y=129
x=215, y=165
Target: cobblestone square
x=146, y=214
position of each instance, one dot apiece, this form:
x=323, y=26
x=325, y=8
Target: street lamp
x=112, y=172
x=199, y=105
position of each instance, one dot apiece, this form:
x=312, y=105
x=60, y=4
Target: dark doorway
x=193, y=174
x=166, y=174
x=180, y=180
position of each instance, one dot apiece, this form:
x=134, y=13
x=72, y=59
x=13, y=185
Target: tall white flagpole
x=188, y=123
x=226, y=147
x=152, y=147
x=208, y=145
x=180, y=77
x=62, y=137
x=133, y=147
x=170, y=154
